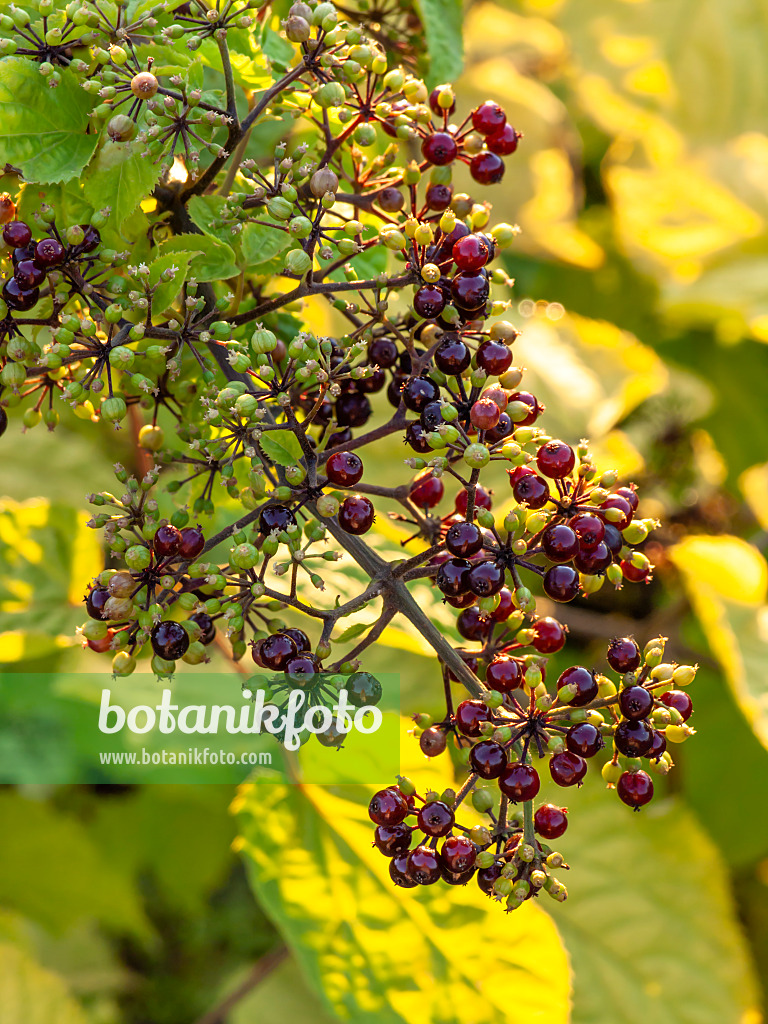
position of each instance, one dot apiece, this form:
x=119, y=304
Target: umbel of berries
x=258, y=514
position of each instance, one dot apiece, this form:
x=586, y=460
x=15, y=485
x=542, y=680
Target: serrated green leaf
x=167, y=291
x=649, y=921
x=442, y=21
x=212, y=260
x=120, y=178
x=281, y=446
x=33, y=995
x=383, y=955
x=43, y=130
x=260, y=244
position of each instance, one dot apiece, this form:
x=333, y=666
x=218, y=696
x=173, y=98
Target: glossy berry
x=277, y=650
x=615, y=501
x=166, y=541
x=471, y=252
x=531, y=490
x=584, y=739
x=473, y=624
x=95, y=601
x=487, y=876
x=488, y=759
x=276, y=517
x=438, y=197
x=91, y=240
x=398, y=872
x=391, y=200
x=452, y=357
x=519, y=782
x=550, y=821
x=504, y=674
x=426, y=490
x=423, y=865
x=567, y=769
x=439, y=148
x=549, y=636
x=49, y=252
x=207, y=627
x=680, y=701
x=612, y=539
x=388, y=807
x=463, y=539
x=486, y=578
x=431, y=416
x=432, y=741
x=582, y=681
x=435, y=818
x=416, y=437
x=302, y=669
x=19, y=298
x=633, y=738
x=589, y=529
x=28, y=274
x=469, y=714
x=393, y=840
x=418, y=392
x=470, y=291
x=16, y=234
x=658, y=746
x=458, y=854
x=453, y=577
x=494, y=357
x=533, y=404
x=482, y=500
x=169, y=640
x=191, y=542
x=635, y=702
x=488, y=118
x=356, y=514
x=344, y=469
x=429, y=301
x=487, y=168
x=630, y=496
x=594, y=561
x=561, y=583
x=555, y=459
x=504, y=141
x=352, y=410
x=382, y=352
x=634, y=575
x=559, y=543
x=503, y=429
x=623, y=654
x=484, y=414
x=635, y=789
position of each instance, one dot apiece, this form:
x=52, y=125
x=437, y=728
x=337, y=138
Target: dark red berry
x=531, y=490
x=166, y=541
x=589, y=529
x=432, y=741
x=519, y=782
x=482, y=500
x=504, y=674
x=28, y=275
x=398, y=872
x=276, y=517
x=344, y=469
x=471, y=252
x=632, y=574
x=680, y=701
x=473, y=624
x=484, y=414
x=555, y=459
x=95, y=601
x=453, y=577
x=623, y=654
x=583, y=682
x=17, y=297
x=426, y=490
x=560, y=543
x=488, y=759
x=169, y=640
x=494, y=357
x=91, y=240
x=435, y=818
x=207, y=627
x=630, y=496
x=635, y=789
x=584, y=739
x=567, y=769
x=486, y=578
x=633, y=738
x=423, y=865
x=487, y=168
x=635, y=702
x=391, y=200
x=382, y=352
x=439, y=148
x=416, y=437
x=615, y=501
x=277, y=650
x=504, y=141
x=435, y=107
x=658, y=747
x=503, y=429
x=303, y=668
x=418, y=392
x=352, y=409
x=49, y=252
x=594, y=561
x=533, y=404
x=549, y=636
x=356, y=514
x=470, y=291
x=488, y=118
x=388, y=807
x=393, y=840
x=550, y=821
x=487, y=876
x=561, y=583
x=452, y=356
x=191, y=542
x=613, y=539
x=469, y=714
x=458, y=854
x=464, y=539
x=438, y=197
x=429, y=301
x=103, y=644
x=16, y=234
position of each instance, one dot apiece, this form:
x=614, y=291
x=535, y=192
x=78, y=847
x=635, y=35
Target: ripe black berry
x=166, y=541
x=438, y=197
x=487, y=168
x=589, y=529
x=615, y=501
x=191, y=542
x=416, y=437
x=680, y=701
x=549, y=636
x=531, y=490
x=584, y=739
x=623, y=654
x=494, y=357
x=352, y=409
x=582, y=681
x=555, y=459
x=393, y=840
x=169, y=640
x=635, y=702
x=471, y=252
x=435, y=818
x=635, y=789
x=418, y=392
x=464, y=539
x=429, y=301
x=388, y=807
x=452, y=356
x=18, y=298
x=473, y=624
x=277, y=650
x=487, y=876
x=470, y=291
x=488, y=759
x=458, y=854
x=432, y=741
x=453, y=577
x=594, y=561
x=28, y=274
x=633, y=738
x=276, y=517
x=469, y=715
x=550, y=821
x=49, y=252
x=95, y=601
x=207, y=626
x=561, y=583
x=302, y=669
x=567, y=768
x=356, y=514
x=423, y=865
x=439, y=148
x=486, y=578
x=382, y=352
x=520, y=782
x=17, y=234
x=504, y=674
x=344, y=469
x=391, y=200
x=560, y=543
x=398, y=872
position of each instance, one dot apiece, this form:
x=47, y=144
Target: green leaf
x=442, y=21
x=42, y=130
x=168, y=291
x=352, y=631
x=249, y=62
x=260, y=244
x=32, y=995
x=379, y=954
x=649, y=922
x=212, y=260
x=281, y=446
x=120, y=178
